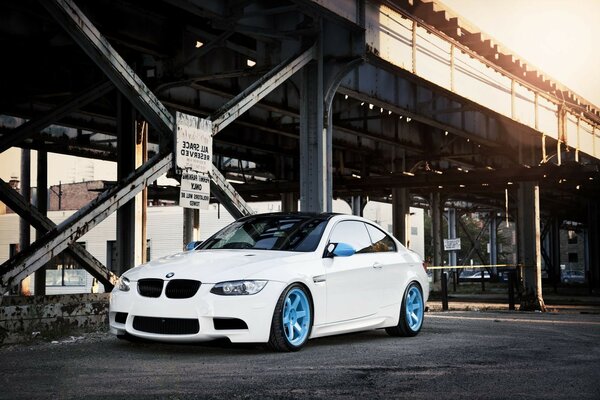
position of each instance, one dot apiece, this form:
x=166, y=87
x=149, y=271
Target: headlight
x=123, y=284
x=234, y=288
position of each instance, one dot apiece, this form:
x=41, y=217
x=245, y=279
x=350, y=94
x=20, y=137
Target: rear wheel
x=292, y=320
x=411, y=313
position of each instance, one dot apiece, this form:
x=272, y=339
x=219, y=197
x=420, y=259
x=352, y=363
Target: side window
x=353, y=233
x=381, y=240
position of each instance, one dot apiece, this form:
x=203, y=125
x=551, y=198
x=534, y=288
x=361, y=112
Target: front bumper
x=255, y=310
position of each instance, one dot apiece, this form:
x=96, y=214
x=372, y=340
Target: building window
x=573, y=258
x=13, y=249
x=112, y=258
x=414, y=231
x=572, y=235
x=63, y=270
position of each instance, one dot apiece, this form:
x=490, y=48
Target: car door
x=392, y=266
x=351, y=281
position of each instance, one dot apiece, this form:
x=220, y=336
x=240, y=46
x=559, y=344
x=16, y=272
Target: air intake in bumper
x=166, y=326
x=224, y=324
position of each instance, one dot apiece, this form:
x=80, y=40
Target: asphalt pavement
x=457, y=355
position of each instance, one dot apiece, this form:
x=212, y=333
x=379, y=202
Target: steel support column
x=126, y=135
x=315, y=175
x=436, y=232
x=357, y=205
x=42, y=206
x=401, y=215
x=24, y=227
x=191, y=224
x=289, y=202
x=452, y=235
x=593, y=246
x=554, y=250
x=530, y=257
x=493, y=243
x=331, y=89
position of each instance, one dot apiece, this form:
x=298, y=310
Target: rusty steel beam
x=259, y=89
x=81, y=29
x=33, y=126
x=231, y=110
x=489, y=180
x=40, y=222
x=78, y=224
x=97, y=47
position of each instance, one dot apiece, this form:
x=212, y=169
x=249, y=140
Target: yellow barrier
x=474, y=266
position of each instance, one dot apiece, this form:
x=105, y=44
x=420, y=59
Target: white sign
x=194, y=191
x=452, y=244
x=193, y=143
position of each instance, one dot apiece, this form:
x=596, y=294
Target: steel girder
x=259, y=89
x=72, y=19
x=42, y=223
x=97, y=47
x=33, y=126
x=78, y=224
x=124, y=78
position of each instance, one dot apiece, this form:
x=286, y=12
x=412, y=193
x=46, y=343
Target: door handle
x=378, y=265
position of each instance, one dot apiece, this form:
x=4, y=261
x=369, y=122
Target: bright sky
x=560, y=37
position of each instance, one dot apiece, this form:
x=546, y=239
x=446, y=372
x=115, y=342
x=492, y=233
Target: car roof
x=297, y=214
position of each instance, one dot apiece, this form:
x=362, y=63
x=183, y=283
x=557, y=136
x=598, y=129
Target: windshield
x=287, y=233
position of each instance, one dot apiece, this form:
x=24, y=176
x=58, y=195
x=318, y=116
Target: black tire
x=278, y=340
x=404, y=328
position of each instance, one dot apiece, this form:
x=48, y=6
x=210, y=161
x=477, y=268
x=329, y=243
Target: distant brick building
x=73, y=196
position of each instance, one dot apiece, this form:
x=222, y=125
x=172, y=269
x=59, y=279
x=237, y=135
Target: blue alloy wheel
x=414, y=308
x=411, y=313
x=296, y=317
x=292, y=320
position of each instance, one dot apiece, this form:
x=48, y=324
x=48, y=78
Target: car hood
x=212, y=266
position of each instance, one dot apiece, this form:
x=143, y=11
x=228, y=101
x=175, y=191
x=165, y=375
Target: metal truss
x=58, y=238
x=97, y=47
x=34, y=126
x=78, y=224
x=259, y=89
x=40, y=222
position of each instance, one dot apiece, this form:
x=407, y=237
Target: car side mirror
x=339, y=250
x=192, y=245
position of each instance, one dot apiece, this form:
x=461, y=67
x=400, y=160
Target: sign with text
x=452, y=244
x=194, y=191
x=193, y=143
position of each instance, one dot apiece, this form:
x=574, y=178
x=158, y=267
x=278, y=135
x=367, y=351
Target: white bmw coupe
x=277, y=278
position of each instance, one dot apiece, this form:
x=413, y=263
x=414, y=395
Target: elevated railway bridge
x=399, y=101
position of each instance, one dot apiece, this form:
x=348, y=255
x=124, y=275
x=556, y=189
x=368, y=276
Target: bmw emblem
x=169, y=275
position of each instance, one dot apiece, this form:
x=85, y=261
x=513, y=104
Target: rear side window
x=353, y=233
x=381, y=241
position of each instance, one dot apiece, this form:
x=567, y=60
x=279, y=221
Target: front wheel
x=292, y=320
x=411, y=313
